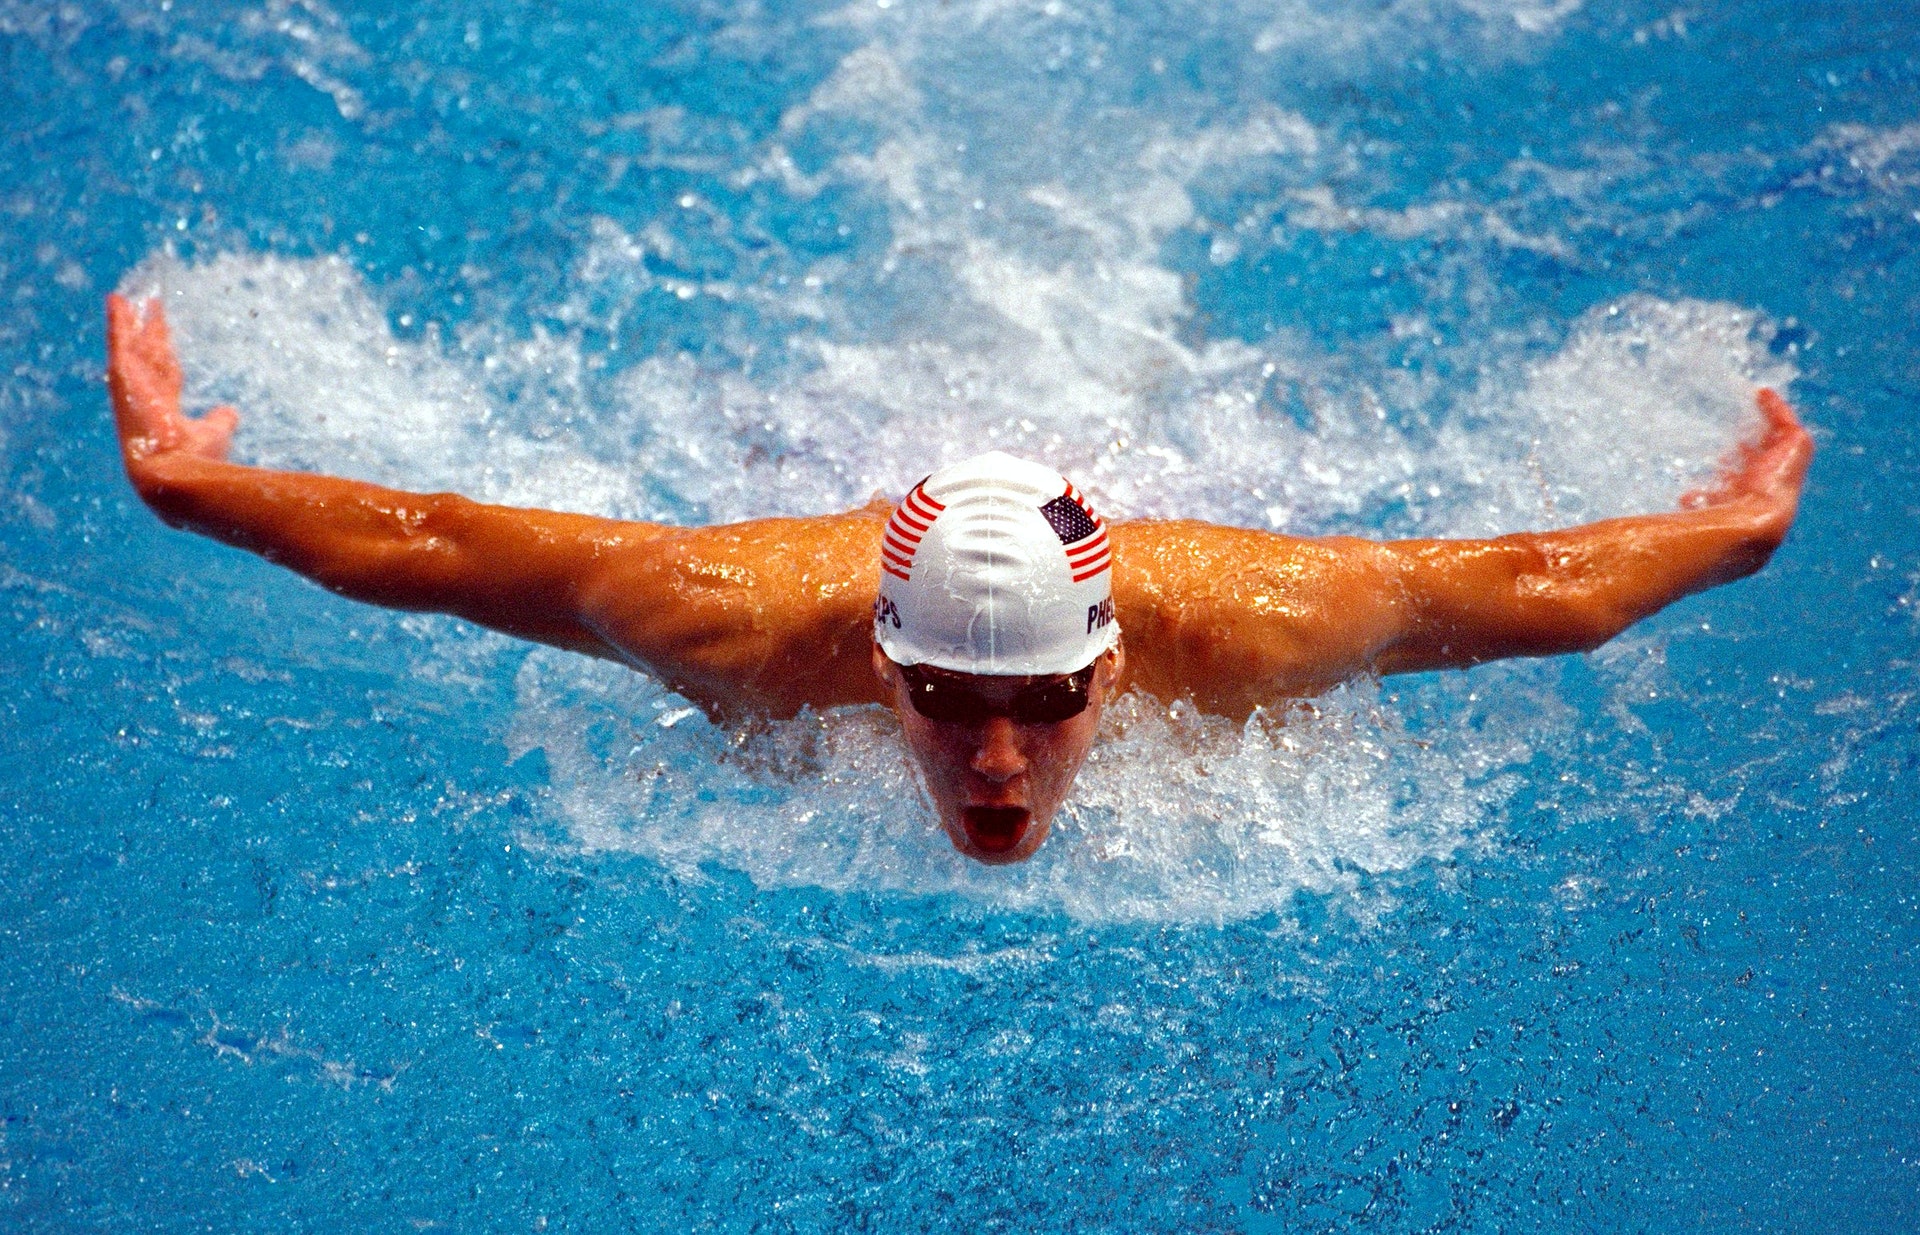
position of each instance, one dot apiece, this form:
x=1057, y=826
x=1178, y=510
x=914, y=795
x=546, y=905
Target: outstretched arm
x=714, y=611
x=518, y=571
x=1238, y=619
x=1541, y=593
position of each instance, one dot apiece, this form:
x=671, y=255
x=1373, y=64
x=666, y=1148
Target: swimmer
x=985, y=609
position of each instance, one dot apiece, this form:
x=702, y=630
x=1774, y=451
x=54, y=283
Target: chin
x=996, y=835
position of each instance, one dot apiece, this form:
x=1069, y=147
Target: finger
x=144, y=377
x=119, y=318
x=217, y=426
x=1775, y=466
x=124, y=376
x=1788, y=461
x=1786, y=438
x=209, y=436
x=129, y=335
x=1778, y=412
x=156, y=341
x=156, y=324
x=119, y=314
x=1776, y=458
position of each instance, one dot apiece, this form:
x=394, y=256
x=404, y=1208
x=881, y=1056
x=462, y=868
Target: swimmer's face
x=997, y=782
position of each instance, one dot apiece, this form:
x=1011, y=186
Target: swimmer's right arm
x=747, y=617
x=514, y=571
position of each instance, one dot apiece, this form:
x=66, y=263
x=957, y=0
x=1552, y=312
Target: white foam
x=323, y=384
x=1884, y=159
x=1639, y=405
x=1319, y=28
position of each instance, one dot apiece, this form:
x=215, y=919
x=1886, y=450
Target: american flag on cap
x=1081, y=531
x=911, y=519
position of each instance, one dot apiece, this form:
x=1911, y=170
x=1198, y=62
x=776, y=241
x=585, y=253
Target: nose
x=999, y=758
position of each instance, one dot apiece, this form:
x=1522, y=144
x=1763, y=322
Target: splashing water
x=1021, y=299
x=1176, y=815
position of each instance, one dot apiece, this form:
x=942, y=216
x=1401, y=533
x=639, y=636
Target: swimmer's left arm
x=1236, y=619
x=1463, y=602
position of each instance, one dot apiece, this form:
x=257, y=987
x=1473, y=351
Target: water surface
x=329, y=918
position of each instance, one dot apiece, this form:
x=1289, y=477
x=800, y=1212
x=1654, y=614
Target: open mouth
x=996, y=829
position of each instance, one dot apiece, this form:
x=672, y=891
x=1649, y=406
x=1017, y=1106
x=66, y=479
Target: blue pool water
x=321, y=918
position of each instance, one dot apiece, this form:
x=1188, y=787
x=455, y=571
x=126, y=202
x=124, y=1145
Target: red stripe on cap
x=902, y=556
x=1087, y=553
x=1086, y=507
x=898, y=527
x=915, y=504
x=1080, y=557
x=920, y=492
x=900, y=574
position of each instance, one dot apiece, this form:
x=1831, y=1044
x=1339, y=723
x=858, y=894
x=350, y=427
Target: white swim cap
x=995, y=566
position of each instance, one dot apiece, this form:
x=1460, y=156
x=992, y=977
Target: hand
x=144, y=378
x=1768, y=471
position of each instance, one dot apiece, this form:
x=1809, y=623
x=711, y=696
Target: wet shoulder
x=1237, y=617
x=774, y=611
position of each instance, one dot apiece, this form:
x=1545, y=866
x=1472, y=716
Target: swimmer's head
x=995, y=638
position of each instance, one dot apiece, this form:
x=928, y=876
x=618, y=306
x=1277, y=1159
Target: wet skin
x=770, y=616
x=997, y=784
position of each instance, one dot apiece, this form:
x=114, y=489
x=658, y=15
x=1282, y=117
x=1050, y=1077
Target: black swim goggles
x=942, y=695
